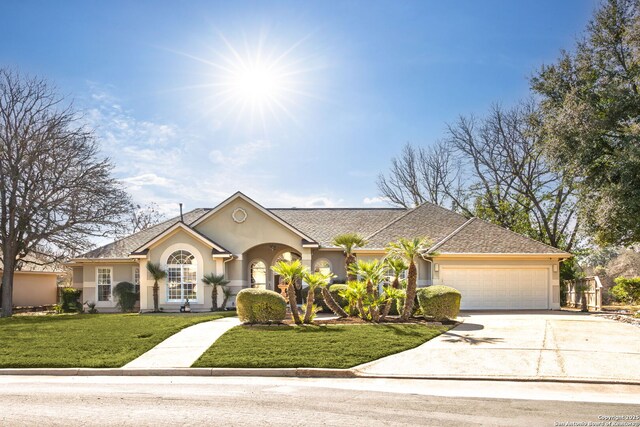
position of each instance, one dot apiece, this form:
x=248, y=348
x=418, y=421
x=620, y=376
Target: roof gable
x=180, y=226
x=239, y=195
x=427, y=220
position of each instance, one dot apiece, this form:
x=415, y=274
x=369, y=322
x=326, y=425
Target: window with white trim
x=258, y=274
x=136, y=279
x=104, y=280
x=322, y=266
x=181, y=276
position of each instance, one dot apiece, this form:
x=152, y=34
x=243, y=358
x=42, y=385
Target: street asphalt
x=159, y=401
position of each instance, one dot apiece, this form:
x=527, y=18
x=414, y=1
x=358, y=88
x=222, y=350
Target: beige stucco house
x=34, y=285
x=494, y=268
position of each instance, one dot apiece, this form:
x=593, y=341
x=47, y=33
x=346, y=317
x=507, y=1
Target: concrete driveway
x=523, y=345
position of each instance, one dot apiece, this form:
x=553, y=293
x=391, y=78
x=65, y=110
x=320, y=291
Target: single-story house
x=493, y=268
x=34, y=285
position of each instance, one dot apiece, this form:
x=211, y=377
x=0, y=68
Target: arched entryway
x=259, y=261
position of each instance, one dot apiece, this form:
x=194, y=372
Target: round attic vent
x=239, y=215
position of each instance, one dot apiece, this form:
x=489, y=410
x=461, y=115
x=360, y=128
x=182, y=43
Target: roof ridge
x=338, y=209
x=393, y=221
x=521, y=235
x=451, y=235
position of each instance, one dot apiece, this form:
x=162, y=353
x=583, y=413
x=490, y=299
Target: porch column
x=306, y=261
x=144, y=286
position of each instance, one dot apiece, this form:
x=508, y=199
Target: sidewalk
x=185, y=347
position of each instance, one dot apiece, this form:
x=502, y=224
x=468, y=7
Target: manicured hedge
x=439, y=302
x=260, y=306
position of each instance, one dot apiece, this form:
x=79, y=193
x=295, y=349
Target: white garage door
x=499, y=288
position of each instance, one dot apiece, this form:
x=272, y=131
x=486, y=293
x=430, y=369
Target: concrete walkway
x=185, y=347
x=522, y=345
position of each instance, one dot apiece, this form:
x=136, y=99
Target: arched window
x=322, y=266
x=181, y=276
x=258, y=274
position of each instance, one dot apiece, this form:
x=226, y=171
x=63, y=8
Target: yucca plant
x=214, y=280
x=348, y=242
x=409, y=250
x=290, y=273
x=157, y=274
x=372, y=274
x=313, y=280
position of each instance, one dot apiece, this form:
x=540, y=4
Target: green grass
x=87, y=340
x=331, y=346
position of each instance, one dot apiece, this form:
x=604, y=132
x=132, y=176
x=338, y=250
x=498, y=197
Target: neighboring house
x=494, y=268
x=34, y=284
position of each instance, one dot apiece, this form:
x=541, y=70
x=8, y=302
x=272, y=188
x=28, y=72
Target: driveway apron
x=522, y=345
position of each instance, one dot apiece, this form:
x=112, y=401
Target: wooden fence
x=592, y=293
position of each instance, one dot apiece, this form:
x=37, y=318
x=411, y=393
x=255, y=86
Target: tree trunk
x=361, y=311
x=309, y=309
x=214, y=298
x=350, y=259
x=585, y=304
x=386, y=309
x=156, y=298
x=291, y=292
x=224, y=302
x=7, y=288
x=332, y=304
x=411, y=292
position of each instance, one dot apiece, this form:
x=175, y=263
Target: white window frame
x=266, y=273
x=98, y=285
x=318, y=261
x=193, y=265
x=136, y=284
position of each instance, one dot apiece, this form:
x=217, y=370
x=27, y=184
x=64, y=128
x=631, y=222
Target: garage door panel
x=499, y=288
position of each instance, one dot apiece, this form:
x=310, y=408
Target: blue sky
x=349, y=83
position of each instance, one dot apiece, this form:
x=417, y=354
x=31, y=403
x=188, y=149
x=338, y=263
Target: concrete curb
x=183, y=372
x=287, y=373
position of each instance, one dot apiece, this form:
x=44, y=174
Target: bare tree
x=500, y=168
x=140, y=218
x=55, y=191
x=423, y=174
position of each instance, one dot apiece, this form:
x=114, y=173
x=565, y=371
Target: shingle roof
x=479, y=236
x=324, y=224
x=453, y=232
x=123, y=247
x=427, y=220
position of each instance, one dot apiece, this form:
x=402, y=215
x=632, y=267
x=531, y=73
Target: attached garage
x=499, y=288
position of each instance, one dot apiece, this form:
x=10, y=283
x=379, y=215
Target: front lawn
x=87, y=340
x=330, y=346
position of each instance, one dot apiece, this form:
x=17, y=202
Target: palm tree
x=226, y=294
x=397, y=266
x=313, y=280
x=348, y=242
x=157, y=273
x=290, y=273
x=370, y=272
x=330, y=301
x=214, y=280
x=409, y=250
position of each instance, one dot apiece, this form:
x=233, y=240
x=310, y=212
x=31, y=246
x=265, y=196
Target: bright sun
x=257, y=84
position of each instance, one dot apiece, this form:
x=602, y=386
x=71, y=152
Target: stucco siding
x=34, y=289
x=336, y=259
x=257, y=229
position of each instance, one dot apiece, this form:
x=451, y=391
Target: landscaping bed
x=87, y=340
x=314, y=346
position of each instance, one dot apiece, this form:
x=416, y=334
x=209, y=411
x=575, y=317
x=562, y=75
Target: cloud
x=375, y=200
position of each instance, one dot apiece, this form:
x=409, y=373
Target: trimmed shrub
x=626, y=290
x=124, y=293
x=69, y=300
x=260, y=306
x=439, y=302
x=334, y=290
